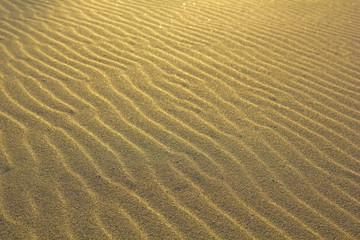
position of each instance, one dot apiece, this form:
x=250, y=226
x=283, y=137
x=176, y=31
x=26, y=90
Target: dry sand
x=169, y=119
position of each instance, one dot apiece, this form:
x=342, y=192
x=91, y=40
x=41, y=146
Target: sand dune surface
x=201, y=119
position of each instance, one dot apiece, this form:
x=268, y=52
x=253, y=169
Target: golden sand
x=202, y=119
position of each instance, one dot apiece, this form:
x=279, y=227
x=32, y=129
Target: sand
x=167, y=119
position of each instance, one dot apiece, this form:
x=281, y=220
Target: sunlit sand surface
x=134, y=119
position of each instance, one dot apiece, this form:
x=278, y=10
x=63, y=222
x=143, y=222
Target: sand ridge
x=179, y=119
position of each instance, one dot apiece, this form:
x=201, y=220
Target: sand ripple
x=179, y=119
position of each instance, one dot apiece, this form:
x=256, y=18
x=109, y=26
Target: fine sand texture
x=174, y=119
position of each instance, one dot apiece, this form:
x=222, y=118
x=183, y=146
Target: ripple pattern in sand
x=179, y=119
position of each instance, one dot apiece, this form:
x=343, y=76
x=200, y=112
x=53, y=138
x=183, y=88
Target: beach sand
x=202, y=119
